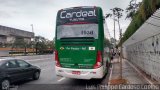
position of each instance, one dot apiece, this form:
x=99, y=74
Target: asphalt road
x=49, y=81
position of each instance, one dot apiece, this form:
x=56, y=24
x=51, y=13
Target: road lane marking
x=37, y=59
x=149, y=81
x=61, y=79
x=46, y=69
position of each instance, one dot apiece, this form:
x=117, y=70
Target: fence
x=4, y=53
x=23, y=51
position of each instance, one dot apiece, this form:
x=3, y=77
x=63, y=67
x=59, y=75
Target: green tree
x=50, y=45
x=117, y=14
x=145, y=10
x=20, y=43
x=43, y=45
x=40, y=44
x=132, y=8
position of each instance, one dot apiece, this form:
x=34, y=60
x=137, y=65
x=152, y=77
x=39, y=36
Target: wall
x=146, y=55
x=10, y=39
x=11, y=33
x=7, y=31
x=143, y=47
x=2, y=39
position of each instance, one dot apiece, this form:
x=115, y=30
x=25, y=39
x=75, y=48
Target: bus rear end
x=77, y=52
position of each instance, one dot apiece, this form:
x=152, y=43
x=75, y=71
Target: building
x=9, y=35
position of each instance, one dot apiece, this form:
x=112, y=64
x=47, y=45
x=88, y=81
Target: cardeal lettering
x=80, y=14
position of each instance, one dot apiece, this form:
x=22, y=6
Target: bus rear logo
x=91, y=48
x=61, y=48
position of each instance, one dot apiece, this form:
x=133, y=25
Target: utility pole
x=121, y=52
x=119, y=15
x=32, y=28
x=33, y=39
x=117, y=12
x=113, y=13
x=120, y=33
x=114, y=32
x=110, y=15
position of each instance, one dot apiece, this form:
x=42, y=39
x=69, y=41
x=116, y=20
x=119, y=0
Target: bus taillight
x=57, y=59
x=99, y=60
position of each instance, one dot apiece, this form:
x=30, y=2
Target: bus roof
x=80, y=7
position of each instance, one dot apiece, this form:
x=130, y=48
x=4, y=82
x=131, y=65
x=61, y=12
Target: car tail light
x=99, y=60
x=57, y=59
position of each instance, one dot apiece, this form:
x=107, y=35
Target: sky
x=21, y=14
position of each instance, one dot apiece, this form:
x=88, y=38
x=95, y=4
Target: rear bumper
x=85, y=73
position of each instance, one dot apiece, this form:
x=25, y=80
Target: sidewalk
x=129, y=73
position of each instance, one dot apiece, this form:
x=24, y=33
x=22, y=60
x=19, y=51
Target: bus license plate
x=76, y=72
